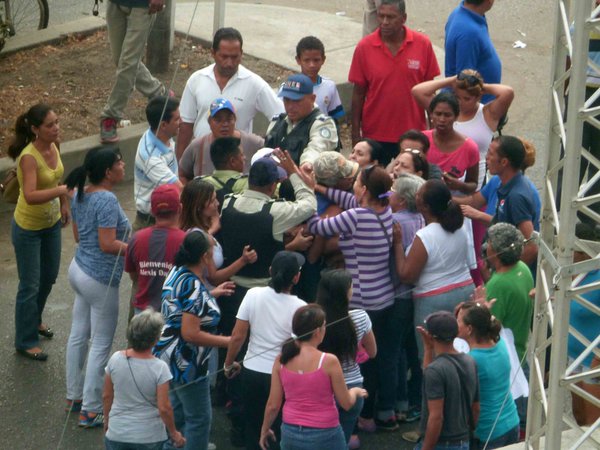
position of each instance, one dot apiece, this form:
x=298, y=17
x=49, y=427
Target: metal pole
x=219, y=15
x=160, y=40
x=563, y=199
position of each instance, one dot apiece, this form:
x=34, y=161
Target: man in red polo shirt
x=386, y=65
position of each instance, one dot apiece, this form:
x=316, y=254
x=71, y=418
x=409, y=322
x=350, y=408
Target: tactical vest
x=225, y=189
x=296, y=141
x=239, y=229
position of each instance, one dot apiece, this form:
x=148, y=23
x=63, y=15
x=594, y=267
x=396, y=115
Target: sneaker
x=90, y=420
x=108, y=131
x=366, y=425
x=412, y=415
x=73, y=406
x=411, y=436
x=387, y=425
x=401, y=416
x=354, y=442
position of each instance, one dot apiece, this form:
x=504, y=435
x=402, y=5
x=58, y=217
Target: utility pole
x=161, y=39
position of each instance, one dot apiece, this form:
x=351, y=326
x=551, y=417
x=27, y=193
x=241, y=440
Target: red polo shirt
x=389, y=109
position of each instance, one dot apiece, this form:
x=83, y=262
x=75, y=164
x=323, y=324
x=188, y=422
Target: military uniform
x=306, y=139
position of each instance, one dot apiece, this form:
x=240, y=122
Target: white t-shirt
x=155, y=165
x=328, y=99
x=134, y=416
x=247, y=91
x=447, y=256
x=270, y=317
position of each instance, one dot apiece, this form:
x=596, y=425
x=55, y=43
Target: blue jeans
x=114, y=445
x=348, y=418
x=38, y=260
x=508, y=438
x=459, y=445
x=445, y=301
x=193, y=413
x=297, y=437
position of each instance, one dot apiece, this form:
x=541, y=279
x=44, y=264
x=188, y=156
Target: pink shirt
x=457, y=162
x=389, y=109
x=309, y=399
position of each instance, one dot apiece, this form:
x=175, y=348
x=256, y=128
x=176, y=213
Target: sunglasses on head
x=414, y=151
x=471, y=79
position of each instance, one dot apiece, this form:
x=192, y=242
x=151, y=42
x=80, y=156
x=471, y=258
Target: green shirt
x=513, y=307
x=223, y=176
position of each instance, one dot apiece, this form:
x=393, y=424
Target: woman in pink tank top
x=310, y=381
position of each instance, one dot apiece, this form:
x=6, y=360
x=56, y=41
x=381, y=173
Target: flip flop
x=39, y=356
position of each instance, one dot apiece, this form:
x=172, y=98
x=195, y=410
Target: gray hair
x=145, y=329
x=400, y=4
x=406, y=187
x=507, y=241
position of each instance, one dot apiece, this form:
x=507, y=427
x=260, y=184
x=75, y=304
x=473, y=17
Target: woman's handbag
x=9, y=188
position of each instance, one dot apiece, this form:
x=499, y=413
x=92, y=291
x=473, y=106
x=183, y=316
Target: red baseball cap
x=165, y=199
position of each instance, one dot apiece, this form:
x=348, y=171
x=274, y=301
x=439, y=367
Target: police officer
x=303, y=130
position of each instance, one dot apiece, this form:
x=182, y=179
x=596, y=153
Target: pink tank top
x=309, y=399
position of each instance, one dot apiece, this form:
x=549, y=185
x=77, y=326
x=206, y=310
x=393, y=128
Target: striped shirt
x=365, y=241
x=411, y=222
x=362, y=324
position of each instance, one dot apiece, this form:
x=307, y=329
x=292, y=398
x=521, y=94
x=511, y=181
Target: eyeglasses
x=414, y=151
x=471, y=79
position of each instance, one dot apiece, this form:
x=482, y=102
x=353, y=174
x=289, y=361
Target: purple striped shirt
x=365, y=247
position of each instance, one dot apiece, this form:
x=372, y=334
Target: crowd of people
x=330, y=290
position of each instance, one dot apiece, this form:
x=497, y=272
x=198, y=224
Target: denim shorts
x=297, y=437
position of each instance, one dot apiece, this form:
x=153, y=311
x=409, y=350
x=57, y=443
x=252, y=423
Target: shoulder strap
x=321, y=359
x=461, y=377
x=229, y=184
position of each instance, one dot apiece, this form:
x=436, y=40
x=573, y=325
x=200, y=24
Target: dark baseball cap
x=287, y=262
x=442, y=325
x=265, y=171
x=296, y=87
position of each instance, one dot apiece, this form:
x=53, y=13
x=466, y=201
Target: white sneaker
x=212, y=446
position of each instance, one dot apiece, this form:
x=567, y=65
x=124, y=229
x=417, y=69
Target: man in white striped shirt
x=155, y=162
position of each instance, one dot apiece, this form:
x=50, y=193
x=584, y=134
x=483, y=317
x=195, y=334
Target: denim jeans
x=348, y=418
x=95, y=315
x=508, y=438
x=381, y=374
x=462, y=445
x=409, y=390
x=128, y=30
x=192, y=411
x=38, y=260
x=114, y=445
x=446, y=301
x=296, y=437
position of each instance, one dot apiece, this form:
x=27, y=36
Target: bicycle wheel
x=23, y=15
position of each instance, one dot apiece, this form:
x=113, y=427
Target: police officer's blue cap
x=296, y=87
x=264, y=172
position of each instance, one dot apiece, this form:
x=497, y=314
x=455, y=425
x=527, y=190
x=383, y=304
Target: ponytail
x=485, y=326
x=97, y=161
x=306, y=321
x=35, y=116
x=452, y=218
x=438, y=199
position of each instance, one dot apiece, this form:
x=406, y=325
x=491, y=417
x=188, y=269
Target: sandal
x=46, y=332
x=37, y=356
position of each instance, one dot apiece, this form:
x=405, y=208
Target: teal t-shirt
x=493, y=370
x=513, y=307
